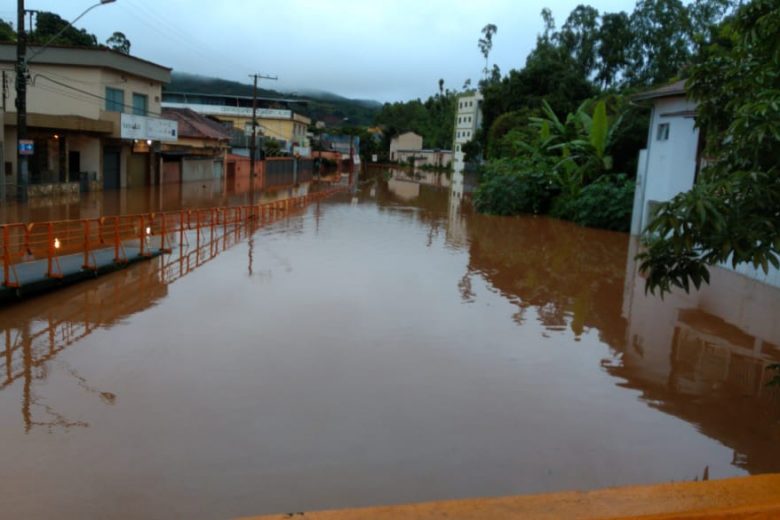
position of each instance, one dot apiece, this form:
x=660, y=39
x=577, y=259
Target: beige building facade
x=93, y=116
x=406, y=142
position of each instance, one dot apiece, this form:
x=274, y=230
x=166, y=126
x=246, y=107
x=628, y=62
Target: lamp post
x=22, y=150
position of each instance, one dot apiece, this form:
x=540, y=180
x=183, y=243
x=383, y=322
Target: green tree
x=48, y=25
x=485, y=43
x=7, y=33
x=119, y=42
x=661, y=32
x=732, y=214
x=614, y=40
x=579, y=36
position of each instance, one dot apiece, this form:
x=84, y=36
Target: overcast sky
x=388, y=50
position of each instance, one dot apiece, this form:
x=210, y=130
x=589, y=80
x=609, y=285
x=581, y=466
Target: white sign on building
x=223, y=110
x=142, y=127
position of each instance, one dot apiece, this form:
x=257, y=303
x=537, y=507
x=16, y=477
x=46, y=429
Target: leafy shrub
x=511, y=187
x=606, y=203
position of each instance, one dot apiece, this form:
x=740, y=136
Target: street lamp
x=21, y=91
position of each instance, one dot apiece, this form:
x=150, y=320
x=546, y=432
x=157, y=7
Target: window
x=457, y=147
x=140, y=104
x=115, y=100
x=663, y=132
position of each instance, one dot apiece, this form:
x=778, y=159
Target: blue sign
x=26, y=147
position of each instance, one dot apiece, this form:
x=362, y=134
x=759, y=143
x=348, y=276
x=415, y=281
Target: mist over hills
x=319, y=105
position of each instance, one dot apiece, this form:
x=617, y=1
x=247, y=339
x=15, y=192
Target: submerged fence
x=41, y=252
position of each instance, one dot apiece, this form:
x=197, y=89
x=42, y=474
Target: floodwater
x=168, y=197
x=386, y=347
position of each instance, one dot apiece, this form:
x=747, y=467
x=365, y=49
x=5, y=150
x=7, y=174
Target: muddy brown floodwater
x=384, y=348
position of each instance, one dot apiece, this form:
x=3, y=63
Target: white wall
x=670, y=165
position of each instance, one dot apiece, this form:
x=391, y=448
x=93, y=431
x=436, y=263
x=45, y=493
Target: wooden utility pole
x=253, y=144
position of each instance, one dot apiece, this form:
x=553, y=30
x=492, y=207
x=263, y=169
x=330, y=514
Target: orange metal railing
x=127, y=236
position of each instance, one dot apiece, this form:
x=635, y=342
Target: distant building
x=201, y=150
x=407, y=142
x=671, y=162
x=93, y=117
x=427, y=157
x=408, y=148
x=275, y=120
x=468, y=120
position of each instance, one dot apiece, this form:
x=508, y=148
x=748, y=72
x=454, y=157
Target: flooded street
x=382, y=348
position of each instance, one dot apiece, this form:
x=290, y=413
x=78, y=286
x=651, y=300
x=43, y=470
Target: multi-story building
x=92, y=116
x=235, y=112
x=468, y=120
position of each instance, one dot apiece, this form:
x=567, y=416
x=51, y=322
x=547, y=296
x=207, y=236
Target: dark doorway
x=111, y=169
x=74, y=165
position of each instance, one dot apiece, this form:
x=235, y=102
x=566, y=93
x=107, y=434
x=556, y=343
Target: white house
x=672, y=160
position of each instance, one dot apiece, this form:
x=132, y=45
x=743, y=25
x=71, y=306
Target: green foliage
x=433, y=119
x=732, y=214
x=7, y=33
x=119, y=42
x=605, y=203
x=472, y=151
x=272, y=148
x=508, y=130
x=47, y=25
x=512, y=186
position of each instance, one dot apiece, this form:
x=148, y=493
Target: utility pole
x=21, y=90
x=21, y=102
x=253, y=144
x=2, y=158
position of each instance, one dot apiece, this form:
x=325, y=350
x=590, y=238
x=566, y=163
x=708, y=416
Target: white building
x=468, y=120
x=671, y=162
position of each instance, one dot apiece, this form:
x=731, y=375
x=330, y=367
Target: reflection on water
x=387, y=346
x=168, y=197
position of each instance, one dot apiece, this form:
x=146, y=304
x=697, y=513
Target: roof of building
x=185, y=95
x=100, y=57
x=406, y=133
x=194, y=125
x=671, y=90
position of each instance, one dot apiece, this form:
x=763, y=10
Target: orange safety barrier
x=145, y=234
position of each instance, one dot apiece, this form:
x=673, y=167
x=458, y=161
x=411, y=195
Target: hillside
x=321, y=106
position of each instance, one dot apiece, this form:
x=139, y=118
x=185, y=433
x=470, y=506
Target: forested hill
x=321, y=106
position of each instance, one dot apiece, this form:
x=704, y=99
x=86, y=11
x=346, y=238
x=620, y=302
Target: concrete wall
x=425, y=157
x=670, y=165
x=197, y=169
x=84, y=93
x=667, y=167
x=89, y=149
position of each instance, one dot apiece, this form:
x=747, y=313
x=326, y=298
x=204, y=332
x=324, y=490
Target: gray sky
x=387, y=50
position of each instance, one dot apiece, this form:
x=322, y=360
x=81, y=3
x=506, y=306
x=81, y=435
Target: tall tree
x=660, y=47
x=48, y=25
x=485, y=44
x=614, y=40
x=119, y=42
x=7, y=33
x=579, y=37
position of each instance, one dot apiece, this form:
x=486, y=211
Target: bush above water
x=606, y=203
x=509, y=187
